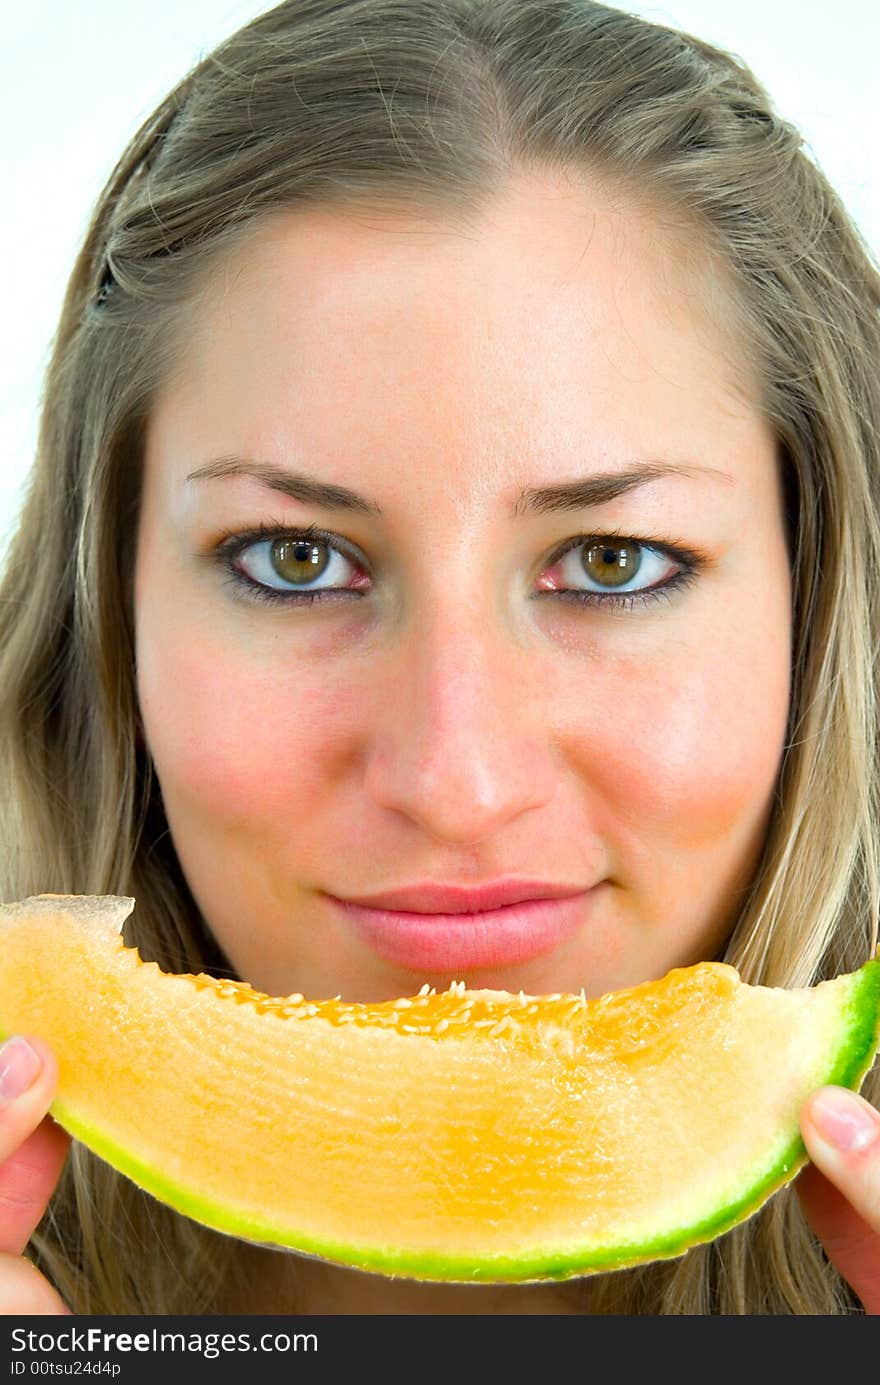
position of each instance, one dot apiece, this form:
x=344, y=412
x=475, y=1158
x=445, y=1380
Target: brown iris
x=612, y=564
x=299, y=560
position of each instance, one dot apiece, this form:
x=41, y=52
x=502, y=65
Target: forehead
x=558, y=308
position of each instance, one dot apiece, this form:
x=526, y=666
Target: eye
x=599, y=568
x=295, y=561
x=308, y=562
x=618, y=572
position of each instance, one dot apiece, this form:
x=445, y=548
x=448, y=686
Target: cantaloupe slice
x=466, y=1135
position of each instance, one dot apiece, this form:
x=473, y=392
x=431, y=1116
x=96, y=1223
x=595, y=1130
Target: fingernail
x=19, y=1067
x=844, y=1119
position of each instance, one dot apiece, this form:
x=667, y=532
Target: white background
x=77, y=79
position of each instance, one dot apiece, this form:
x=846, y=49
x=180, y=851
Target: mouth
x=432, y=942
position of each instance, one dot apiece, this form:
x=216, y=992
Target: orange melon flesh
x=474, y=1136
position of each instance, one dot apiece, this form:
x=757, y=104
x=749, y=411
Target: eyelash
x=234, y=542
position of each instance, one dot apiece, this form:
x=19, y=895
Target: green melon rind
x=860, y=1010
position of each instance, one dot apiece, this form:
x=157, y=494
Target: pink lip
x=431, y=898
x=465, y=941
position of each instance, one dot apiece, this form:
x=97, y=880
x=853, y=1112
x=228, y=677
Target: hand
x=32, y=1153
x=840, y=1189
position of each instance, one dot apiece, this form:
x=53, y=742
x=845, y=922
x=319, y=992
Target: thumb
x=840, y=1189
x=32, y=1150
x=848, y=1240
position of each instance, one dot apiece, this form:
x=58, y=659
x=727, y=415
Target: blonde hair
x=432, y=105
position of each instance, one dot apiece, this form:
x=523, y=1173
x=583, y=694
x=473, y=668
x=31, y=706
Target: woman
x=458, y=461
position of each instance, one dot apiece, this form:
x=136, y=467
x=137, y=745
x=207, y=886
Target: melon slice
x=474, y=1136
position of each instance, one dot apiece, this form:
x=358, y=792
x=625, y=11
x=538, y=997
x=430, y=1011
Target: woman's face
x=552, y=640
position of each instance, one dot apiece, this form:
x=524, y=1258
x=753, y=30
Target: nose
x=463, y=742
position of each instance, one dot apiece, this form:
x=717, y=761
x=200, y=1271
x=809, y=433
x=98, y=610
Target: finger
x=32, y=1147
x=24, y=1291
x=844, y=1234
x=841, y=1194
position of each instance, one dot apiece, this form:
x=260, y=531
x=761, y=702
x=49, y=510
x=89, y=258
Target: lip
x=432, y=898
x=466, y=940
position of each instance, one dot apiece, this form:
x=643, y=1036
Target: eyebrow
x=582, y=493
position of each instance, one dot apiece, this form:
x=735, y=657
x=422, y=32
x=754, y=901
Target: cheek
x=236, y=740
x=690, y=753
